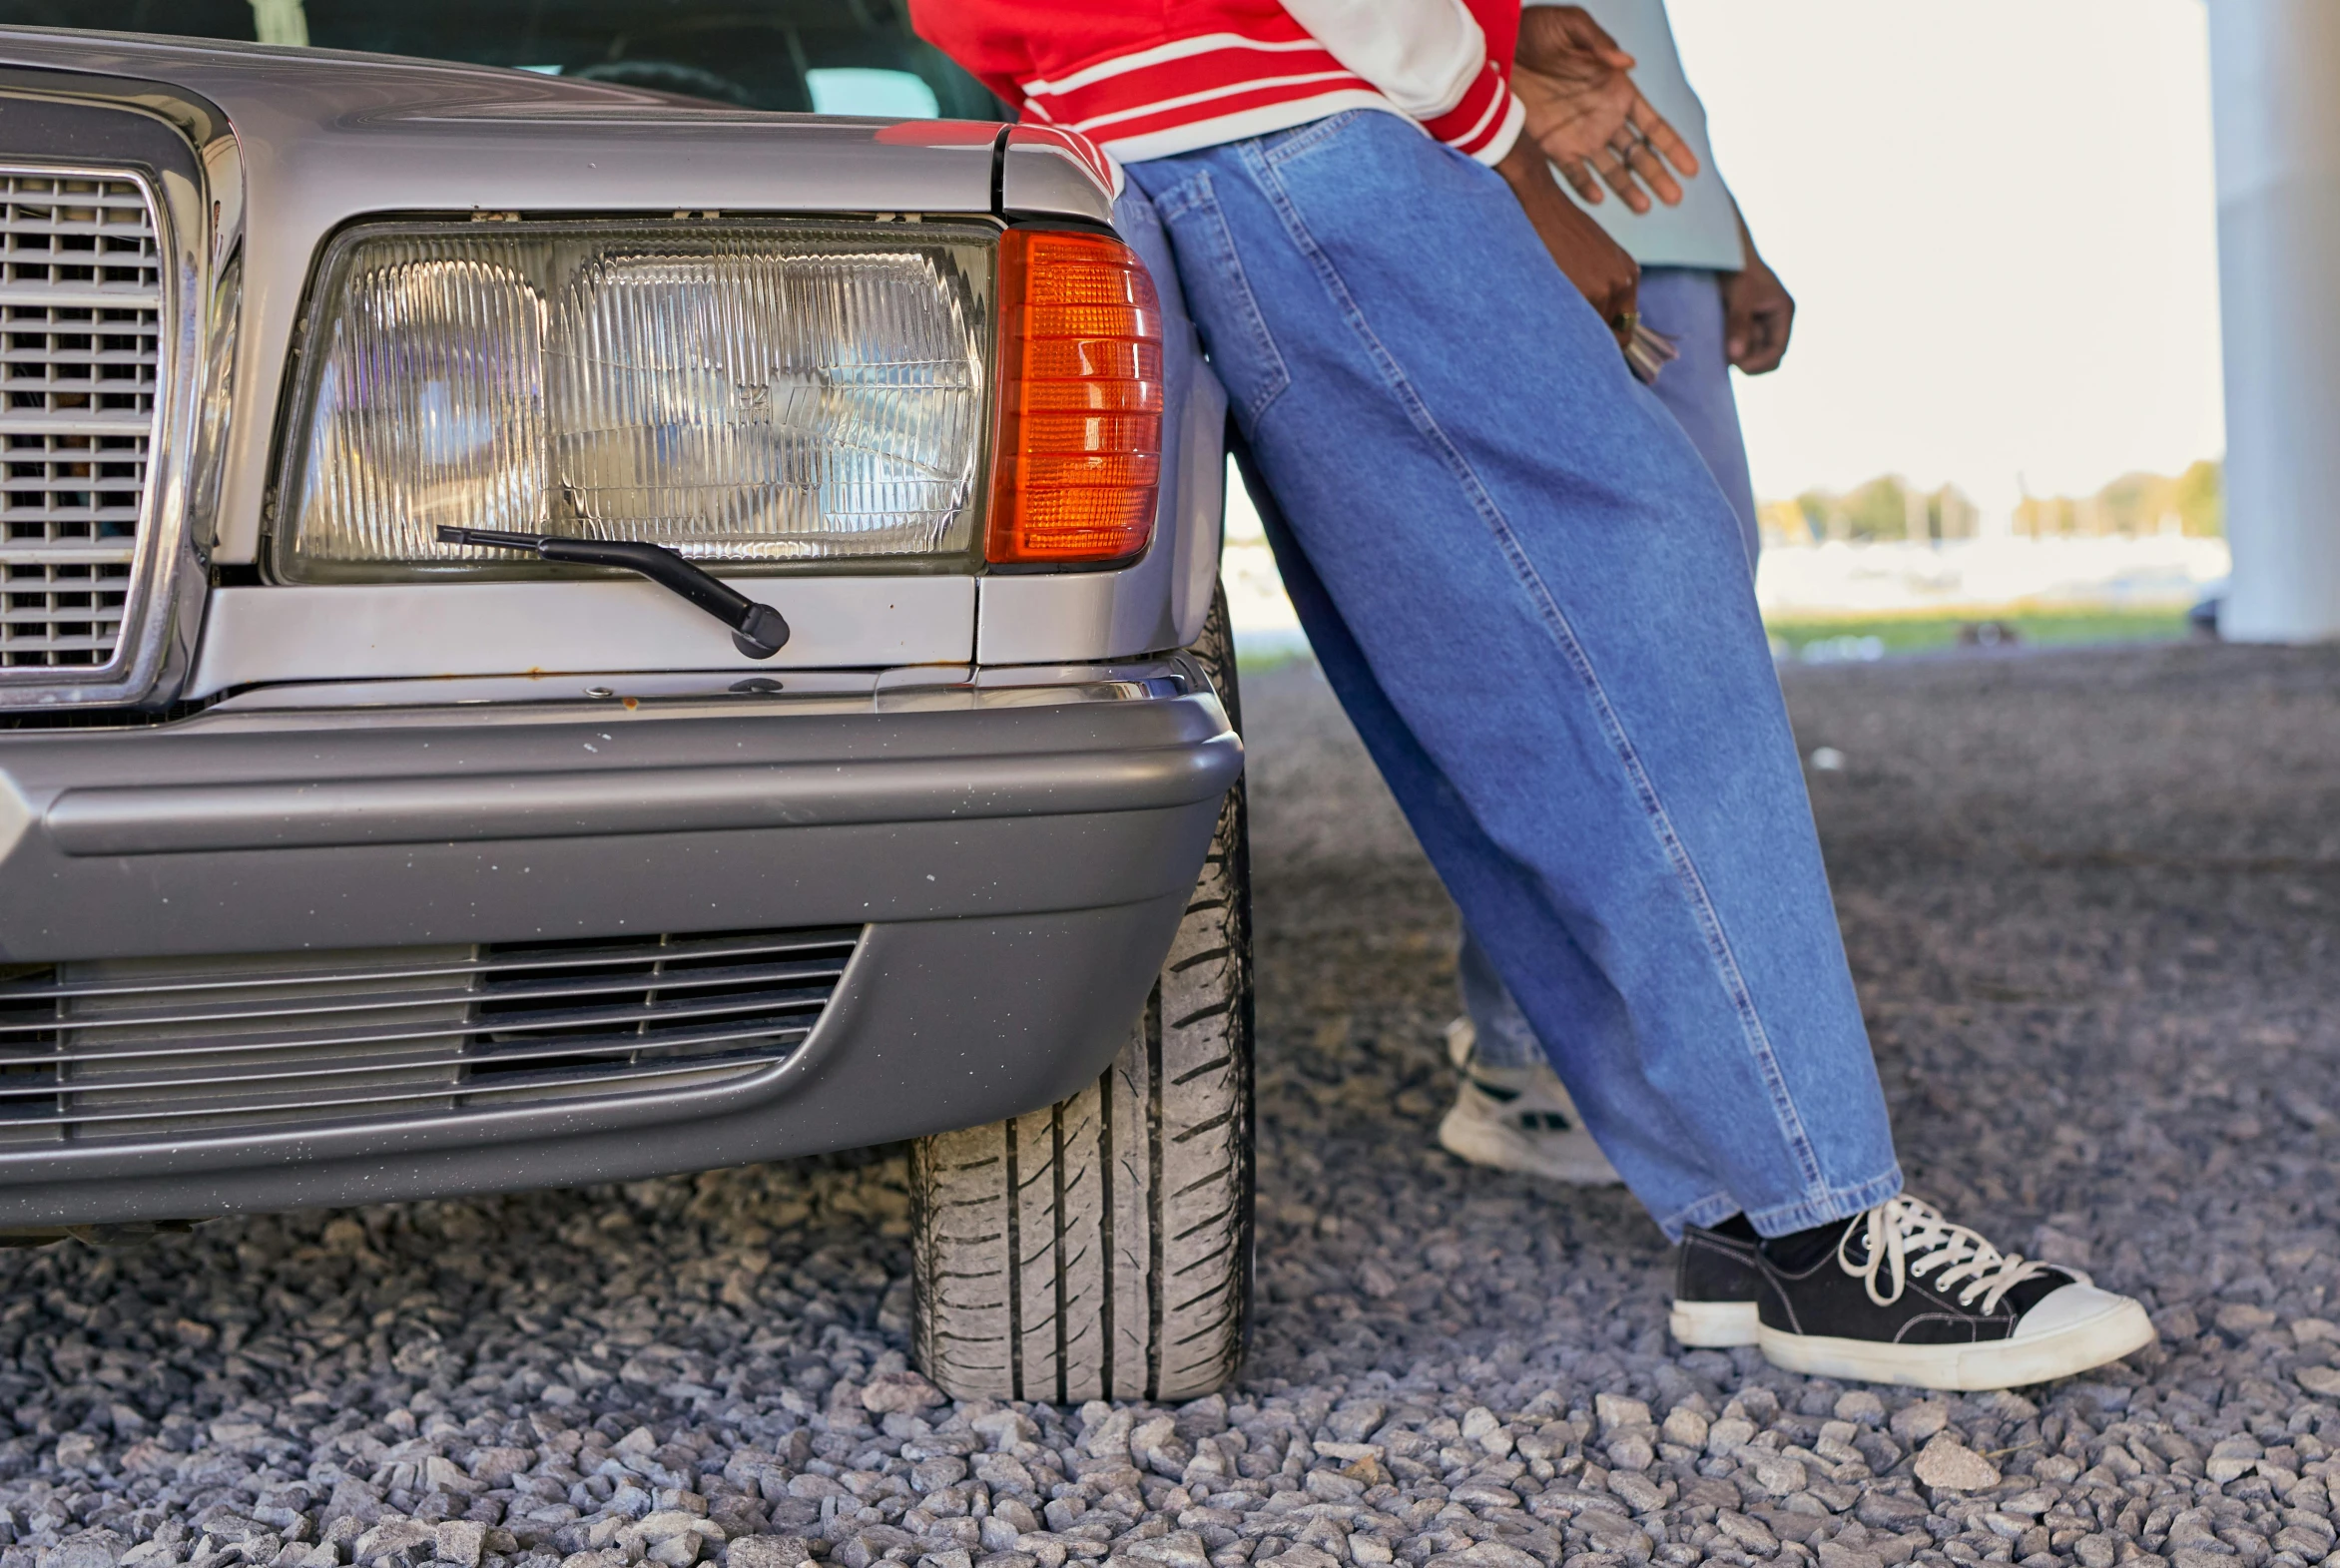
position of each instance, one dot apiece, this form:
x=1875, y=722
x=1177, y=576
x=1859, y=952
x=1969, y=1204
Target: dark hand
x=1595, y=264
x=1758, y=315
x=1585, y=113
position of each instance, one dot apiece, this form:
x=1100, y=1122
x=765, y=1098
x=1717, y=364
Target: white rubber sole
x=2008, y=1364
x=1713, y=1326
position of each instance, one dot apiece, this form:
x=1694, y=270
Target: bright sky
x=1998, y=221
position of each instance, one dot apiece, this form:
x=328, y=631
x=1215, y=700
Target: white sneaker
x=1517, y=1119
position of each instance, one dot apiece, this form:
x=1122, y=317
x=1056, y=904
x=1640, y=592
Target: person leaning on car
x=1533, y=601
x=1634, y=151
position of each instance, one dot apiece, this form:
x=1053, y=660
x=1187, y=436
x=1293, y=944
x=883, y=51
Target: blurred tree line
x=1884, y=508
x=2193, y=503
x=1890, y=508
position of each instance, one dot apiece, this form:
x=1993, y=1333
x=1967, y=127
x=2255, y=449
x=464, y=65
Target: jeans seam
x=1828, y=1205
x=1290, y=144
x=1556, y=621
x=1197, y=196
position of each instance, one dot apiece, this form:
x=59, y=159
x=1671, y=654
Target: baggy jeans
x=1532, y=601
x=1686, y=305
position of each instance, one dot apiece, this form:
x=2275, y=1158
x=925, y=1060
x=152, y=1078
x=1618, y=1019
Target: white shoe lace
x=1912, y=1241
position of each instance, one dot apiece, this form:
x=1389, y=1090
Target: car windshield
x=848, y=57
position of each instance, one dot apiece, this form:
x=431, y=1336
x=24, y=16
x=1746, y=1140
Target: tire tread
x=1100, y=1248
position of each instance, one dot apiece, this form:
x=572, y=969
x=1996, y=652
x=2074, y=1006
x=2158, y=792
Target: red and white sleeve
x=1430, y=59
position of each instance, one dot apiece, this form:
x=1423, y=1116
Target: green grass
x=1922, y=632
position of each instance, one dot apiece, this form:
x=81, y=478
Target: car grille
x=81, y=309
x=188, y=1047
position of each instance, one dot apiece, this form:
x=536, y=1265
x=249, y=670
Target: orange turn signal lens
x=1079, y=442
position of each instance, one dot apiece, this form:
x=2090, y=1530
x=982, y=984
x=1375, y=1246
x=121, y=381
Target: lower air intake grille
x=152, y=1048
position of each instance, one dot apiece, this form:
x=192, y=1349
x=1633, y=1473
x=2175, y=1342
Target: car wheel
x=1101, y=1248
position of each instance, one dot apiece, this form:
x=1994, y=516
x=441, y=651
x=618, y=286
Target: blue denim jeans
x=1532, y=599
x=1684, y=303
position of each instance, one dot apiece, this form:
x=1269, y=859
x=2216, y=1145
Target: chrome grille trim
x=145, y=180
x=81, y=349
x=133, y=1050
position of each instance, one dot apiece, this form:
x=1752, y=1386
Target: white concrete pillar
x=2275, y=106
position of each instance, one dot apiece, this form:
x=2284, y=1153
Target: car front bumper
x=1008, y=856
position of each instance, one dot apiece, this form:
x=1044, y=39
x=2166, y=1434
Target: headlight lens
x=741, y=393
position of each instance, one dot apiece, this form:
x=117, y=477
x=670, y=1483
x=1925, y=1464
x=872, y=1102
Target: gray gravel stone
x=85, y=1549
x=460, y=1541
x=395, y=1541
x=1948, y=1465
x=1915, y=1423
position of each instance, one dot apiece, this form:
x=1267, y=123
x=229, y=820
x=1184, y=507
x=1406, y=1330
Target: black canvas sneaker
x=1899, y=1295
x=1718, y=1277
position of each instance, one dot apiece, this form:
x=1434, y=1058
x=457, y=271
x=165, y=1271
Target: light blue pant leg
x=1500, y=1033
x=1557, y=660
x=1685, y=303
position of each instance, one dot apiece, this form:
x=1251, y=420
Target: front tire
x=1101, y=1248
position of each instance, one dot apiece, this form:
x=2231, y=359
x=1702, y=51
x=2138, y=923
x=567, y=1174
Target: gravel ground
x=2089, y=897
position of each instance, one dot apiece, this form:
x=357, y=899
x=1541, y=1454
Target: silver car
x=563, y=625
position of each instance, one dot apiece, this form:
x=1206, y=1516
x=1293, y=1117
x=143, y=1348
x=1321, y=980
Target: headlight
x=742, y=393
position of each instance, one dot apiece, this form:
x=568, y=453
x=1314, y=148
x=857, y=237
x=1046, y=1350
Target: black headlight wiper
x=757, y=629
